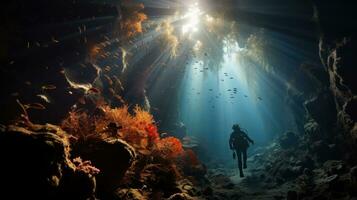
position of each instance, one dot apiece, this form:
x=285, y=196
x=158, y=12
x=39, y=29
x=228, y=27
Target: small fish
x=48, y=87
x=260, y=98
x=28, y=83
x=107, y=68
x=37, y=106
x=54, y=40
x=144, y=151
x=119, y=98
x=245, y=96
x=163, y=134
x=108, y=79
x=94, y=90
x=118, y=83
x=111, y=91
x=44, y=97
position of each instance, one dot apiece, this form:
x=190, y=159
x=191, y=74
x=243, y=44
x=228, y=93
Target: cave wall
x=337, y=48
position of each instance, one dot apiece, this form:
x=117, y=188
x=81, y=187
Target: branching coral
x=79, y=124
x=85, y=166
x=138, y=129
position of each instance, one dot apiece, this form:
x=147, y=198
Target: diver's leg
x=244, y=158
x=239, y=156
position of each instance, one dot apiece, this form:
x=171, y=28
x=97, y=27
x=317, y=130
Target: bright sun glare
x=192, y=18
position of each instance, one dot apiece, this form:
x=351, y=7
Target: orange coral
x=170, y=147
x=137, y=129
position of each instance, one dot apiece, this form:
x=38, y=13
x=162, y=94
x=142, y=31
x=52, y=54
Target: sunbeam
x=178, y=99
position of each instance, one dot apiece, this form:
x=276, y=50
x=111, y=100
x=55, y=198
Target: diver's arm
x=248, y=138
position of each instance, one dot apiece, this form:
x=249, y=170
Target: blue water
x=209, y=107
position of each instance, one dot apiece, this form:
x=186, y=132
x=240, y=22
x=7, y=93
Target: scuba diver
x=239, y=141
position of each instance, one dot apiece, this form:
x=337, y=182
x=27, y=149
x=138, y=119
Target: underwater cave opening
x=138, y=99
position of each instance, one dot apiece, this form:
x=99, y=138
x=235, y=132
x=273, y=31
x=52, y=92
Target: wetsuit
x=239, y=141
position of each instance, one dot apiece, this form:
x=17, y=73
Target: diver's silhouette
x=239, y=141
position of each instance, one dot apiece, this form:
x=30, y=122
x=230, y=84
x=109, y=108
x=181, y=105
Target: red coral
x=153, y=135
x=170, y=147
x=191, y=158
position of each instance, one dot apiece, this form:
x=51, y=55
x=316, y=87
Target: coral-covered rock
x=160, y=177
x=112, y=158
x=36, y=165
x=334, y=167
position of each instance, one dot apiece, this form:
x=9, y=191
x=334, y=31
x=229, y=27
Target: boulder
x=36, y=165
x=160, y=177
x=112, y=157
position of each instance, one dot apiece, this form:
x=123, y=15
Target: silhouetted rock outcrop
x=36, y=165
x=112, y=157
